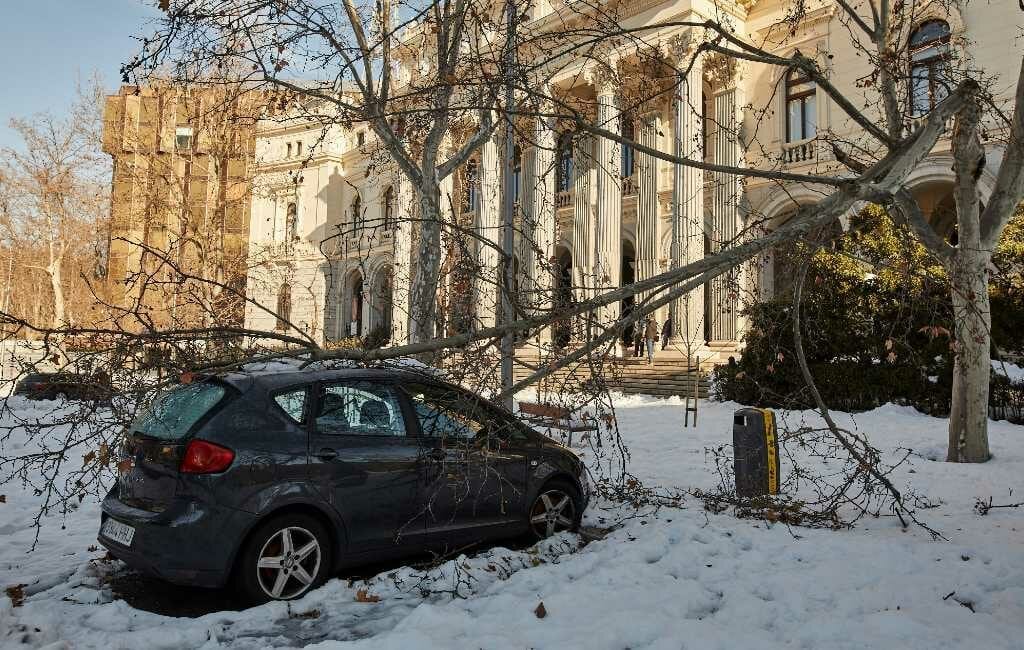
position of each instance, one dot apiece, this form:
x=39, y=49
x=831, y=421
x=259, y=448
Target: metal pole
x=507, y=205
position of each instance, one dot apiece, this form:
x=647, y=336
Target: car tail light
x=202, y=457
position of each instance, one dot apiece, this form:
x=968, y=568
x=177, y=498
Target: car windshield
x=174, y=411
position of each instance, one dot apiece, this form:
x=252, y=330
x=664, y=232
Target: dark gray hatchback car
x=273, y=481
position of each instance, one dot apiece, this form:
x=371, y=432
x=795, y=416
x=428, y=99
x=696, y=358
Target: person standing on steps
x=638, y=342
x=666, y=333
x=651, y=334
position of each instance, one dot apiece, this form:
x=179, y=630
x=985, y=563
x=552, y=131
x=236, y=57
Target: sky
x=47, y=45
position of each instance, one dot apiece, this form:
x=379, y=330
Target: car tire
x=557, y=507
x=285, y=558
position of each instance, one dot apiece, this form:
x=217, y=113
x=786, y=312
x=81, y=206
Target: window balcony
x=799, y=152
x=629, y=185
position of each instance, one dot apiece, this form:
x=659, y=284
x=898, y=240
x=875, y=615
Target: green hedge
x=876, y=323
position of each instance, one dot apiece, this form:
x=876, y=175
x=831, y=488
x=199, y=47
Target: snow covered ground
x=676, y=578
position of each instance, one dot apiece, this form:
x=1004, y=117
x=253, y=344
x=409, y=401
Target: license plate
x=120, y=533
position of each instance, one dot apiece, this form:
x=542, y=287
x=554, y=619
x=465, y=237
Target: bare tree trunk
x=968, y=420
x=972, y=317
x=55, y=271
x=423, y=298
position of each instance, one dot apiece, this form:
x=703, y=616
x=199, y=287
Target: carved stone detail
x=723, y=71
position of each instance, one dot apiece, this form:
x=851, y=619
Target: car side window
x=359, y=408
x=446, y=414
x=293, y=403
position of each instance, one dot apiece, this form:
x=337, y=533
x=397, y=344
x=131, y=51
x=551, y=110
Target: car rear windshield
x=176, y=410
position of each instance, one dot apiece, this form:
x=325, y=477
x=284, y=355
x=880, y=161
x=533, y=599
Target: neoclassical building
x=332, y=253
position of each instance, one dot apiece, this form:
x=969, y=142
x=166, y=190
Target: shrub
x=875, y=322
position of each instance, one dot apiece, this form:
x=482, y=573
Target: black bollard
x=756, y=452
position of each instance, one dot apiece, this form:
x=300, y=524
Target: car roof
x=272, y=379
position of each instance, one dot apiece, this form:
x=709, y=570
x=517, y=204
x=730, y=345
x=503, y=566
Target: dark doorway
x=562, y=331
x=628, y=278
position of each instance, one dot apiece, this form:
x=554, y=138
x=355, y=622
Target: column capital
x=725, y=72
x=680, y=47
x=604, y=77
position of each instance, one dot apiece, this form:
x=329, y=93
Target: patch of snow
x=1009, y=370
x=678, y=576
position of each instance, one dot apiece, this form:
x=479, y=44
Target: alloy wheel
x=552, y=512
x=288, y=563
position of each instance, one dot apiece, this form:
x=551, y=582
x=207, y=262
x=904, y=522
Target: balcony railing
x=799, y=152
x=629, y=185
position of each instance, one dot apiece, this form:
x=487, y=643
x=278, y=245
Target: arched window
x=291, y=223
x=628, y=154
x=470, y=189
x=284, y=306
x=801, y=107
x=564, y=171
x=929, y=66
x=389, y=208
x=357, y=214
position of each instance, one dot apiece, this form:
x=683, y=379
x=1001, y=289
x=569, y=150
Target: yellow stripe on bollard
x=773, y=450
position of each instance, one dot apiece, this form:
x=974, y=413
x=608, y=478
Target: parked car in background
x=273, y=481
x=66, y=385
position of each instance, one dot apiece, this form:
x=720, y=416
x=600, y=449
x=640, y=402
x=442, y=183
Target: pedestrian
x=638, y=341
x=666, y=333
x=651, y=334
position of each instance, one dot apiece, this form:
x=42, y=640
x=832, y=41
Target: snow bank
x=1010, y=370
x=667, y=579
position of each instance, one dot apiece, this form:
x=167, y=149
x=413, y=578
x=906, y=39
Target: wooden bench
x=555, y=417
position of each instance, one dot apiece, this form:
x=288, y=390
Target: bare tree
x=58, y=194
x=420, y=74
x=342, y=57
x=431, y=94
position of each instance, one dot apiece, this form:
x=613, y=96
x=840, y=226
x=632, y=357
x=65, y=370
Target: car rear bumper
x=190, y=543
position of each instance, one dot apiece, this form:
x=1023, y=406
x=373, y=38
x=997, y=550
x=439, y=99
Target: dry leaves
x=363, y=596
x=541, y=611
x=16, y=593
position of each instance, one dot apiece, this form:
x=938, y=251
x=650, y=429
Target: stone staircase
x=669, y=375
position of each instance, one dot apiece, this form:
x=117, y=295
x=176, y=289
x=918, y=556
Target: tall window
x=389, y=208
x=470, y=188
x=183, y=138
x=929, y=66
x=291, y=223
x=801, y=108
x=357, y=213
x=284, y=306
x=517, y=173
x=564, y=171
x=628, y=154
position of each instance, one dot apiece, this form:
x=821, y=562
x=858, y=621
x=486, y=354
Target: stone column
x=726, y=215
x=488, y=227
x=647, y=236
x=538, y=199
x=687, y=313
x=402, y=265
x=583, y=222
x=607, y=260
x=446, y=191
x=526, y=237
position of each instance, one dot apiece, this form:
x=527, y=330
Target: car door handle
x=326, y=454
